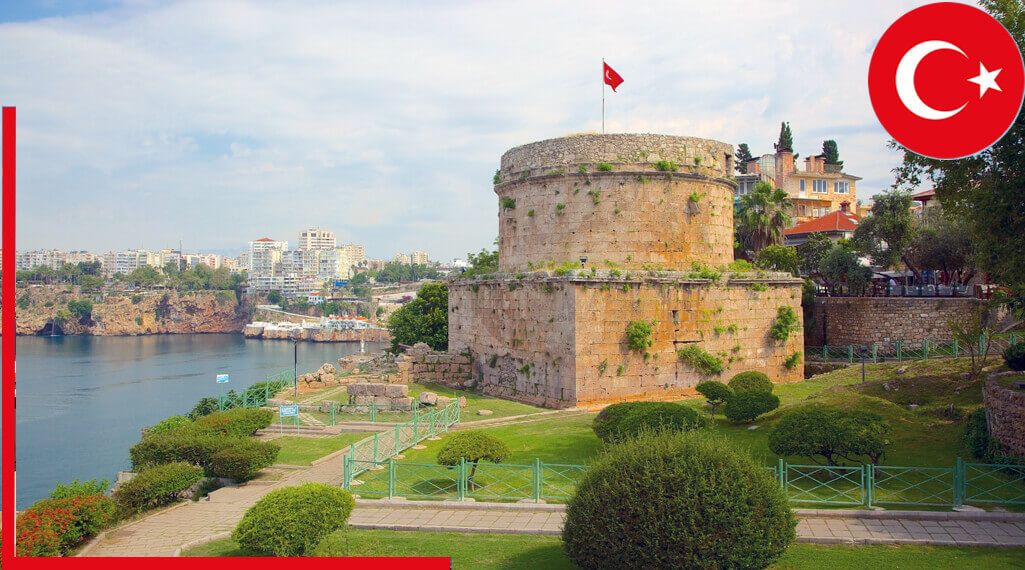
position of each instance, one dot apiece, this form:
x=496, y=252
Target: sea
x=82, y=401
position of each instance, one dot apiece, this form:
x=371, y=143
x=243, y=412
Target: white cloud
x=220, y=122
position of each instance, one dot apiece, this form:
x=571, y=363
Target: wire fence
x=900, y=350
x=367, y=454
x=837, y=485
x=257, y=395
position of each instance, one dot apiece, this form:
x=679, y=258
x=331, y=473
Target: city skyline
x=176, y=120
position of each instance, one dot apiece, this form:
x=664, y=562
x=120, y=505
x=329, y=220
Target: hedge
x=677, y=500
x=243, y=459
x=607, y=420
x=659, y=416
x=293, y=520
x=156, y=486
x=748, y=405
x=192, y=444
x=1014, y=356
x=238, y=422
x=751, y=380
x=52, y=527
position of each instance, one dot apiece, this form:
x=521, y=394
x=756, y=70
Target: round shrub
x=1014, y=356
x=156, y=486
x=170, y=424
x=746, y=406
x=192, y=444
x=751, y=380
x=243, y=459
x=606, y=423
x=715, y=392
x=830, y=433
x=677, y=500
x=655, y=416
x=239, y=422
x=293, y=520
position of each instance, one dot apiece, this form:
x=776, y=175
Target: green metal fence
x=901, y=350
x=838, y=485
x=255, y=398
x=369, y=455
x=338, y=412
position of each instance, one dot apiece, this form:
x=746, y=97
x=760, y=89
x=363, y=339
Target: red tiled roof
x=924, y=196
x=265, y=239
x=838, y=221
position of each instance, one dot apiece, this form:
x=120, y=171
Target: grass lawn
x=303, y=450
x=507, y=551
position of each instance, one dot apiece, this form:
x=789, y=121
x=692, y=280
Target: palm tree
x=762, y=215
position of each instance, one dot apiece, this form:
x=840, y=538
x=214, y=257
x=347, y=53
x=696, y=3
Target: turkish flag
x=612, y=79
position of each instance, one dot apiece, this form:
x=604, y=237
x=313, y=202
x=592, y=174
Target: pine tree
x=786, y=138
x=831, y=153
x=743, y=155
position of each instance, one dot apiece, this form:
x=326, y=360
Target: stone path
x=825, y=529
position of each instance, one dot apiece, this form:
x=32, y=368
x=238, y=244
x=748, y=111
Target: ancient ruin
x=604, y=234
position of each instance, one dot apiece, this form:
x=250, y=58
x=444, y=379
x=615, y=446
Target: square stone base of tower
x=561, y=342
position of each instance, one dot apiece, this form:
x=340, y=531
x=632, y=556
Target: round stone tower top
x=621, y=150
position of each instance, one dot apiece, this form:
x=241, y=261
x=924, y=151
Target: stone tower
x=599, y=232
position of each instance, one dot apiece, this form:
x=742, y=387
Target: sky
x=142, y=123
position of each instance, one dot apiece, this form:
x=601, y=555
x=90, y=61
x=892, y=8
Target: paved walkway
x=961, y=532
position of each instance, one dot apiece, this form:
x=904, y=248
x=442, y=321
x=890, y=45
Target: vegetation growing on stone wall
x=595, y=197
x=702, y=361
x=793, y=360
x=695, y=197
x=702, y=271
x=498, y=177
x=758, y=287
x=559, y=208
x=582, y=168
x=530, y=213
x=603, y=367
x=638, y=335
x=508, y=203
x=620, y=369
x=604, y=167
x=785, y=323
x=666, y=166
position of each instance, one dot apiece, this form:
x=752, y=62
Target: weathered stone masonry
x=1005, y=414
x=843, y=321
x=544, y=332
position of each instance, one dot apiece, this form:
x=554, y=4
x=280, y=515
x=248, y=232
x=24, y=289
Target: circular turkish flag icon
x=946, y=80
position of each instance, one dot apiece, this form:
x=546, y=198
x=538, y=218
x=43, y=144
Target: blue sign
x=222, y=378
x=287, y=411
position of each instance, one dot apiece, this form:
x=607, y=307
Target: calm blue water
x=82, y=400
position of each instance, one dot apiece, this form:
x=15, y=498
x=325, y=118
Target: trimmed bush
x=52, y=527
x=205, y=406
x=830, y=433
x=715, y=392
x=243, y=459
x=292, y=521
x=681, y=500
x=747, y=406
x=239, y=422
x=474, y=447
x=751, y=380
x=1014, y=356
x=659, y=416
x=80, y=489
x=606, y=423
x=156, y=486
x=170, y=424
x=192, y=444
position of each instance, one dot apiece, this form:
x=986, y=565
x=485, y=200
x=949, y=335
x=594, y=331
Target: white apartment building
x=419, y=257
x=333, y=264
x=357, y=253
x=80, y=257
x=401, y=258
x=315, y=238
x=51, y=258
x=125, y=262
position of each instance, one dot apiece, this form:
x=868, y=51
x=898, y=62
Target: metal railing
x=901, y=350
x=370, y=453
x=837, y=485
x=256, y=398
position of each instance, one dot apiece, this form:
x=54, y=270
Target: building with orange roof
x=835, y=225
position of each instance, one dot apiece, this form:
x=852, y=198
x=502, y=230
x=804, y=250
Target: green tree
x=812, y=252
x=424, y=319
x=831, y=153
x=90, y=268
x=762, y=215
x=145, y=276
x=70, y=272
x=944, y=242
x=473, y=447
x=275, y=298
x=786, y=138
x=220, y=279
x=887, y=234
x=743, y=155
x=90, y=283
x=778, y=258
x=482, y=263
x=840, y=266
x=80, y=309
x=985, y=189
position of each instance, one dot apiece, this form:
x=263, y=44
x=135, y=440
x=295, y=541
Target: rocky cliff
x=117, y=314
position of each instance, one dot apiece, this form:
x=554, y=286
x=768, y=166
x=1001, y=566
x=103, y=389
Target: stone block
x=382, y=402
x=396, y=390
x=362, y=400
x=402, y=404
x=376, y=389
x=428, y=398
x=358, y=389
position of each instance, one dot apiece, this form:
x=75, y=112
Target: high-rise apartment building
x=357, y=253
x=419, y=257
x=316, y=238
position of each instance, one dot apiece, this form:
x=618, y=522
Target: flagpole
x=603, y=95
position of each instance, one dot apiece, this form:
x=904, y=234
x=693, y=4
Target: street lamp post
x=295, y=365
x=863, y=352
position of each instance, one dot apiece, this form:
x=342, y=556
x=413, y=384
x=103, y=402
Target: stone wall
x=561, y=342
x=318, y=335
x=1005, y=414
x=841, y=321
x=383, y=396
x=633, y=217
x=420, y=365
